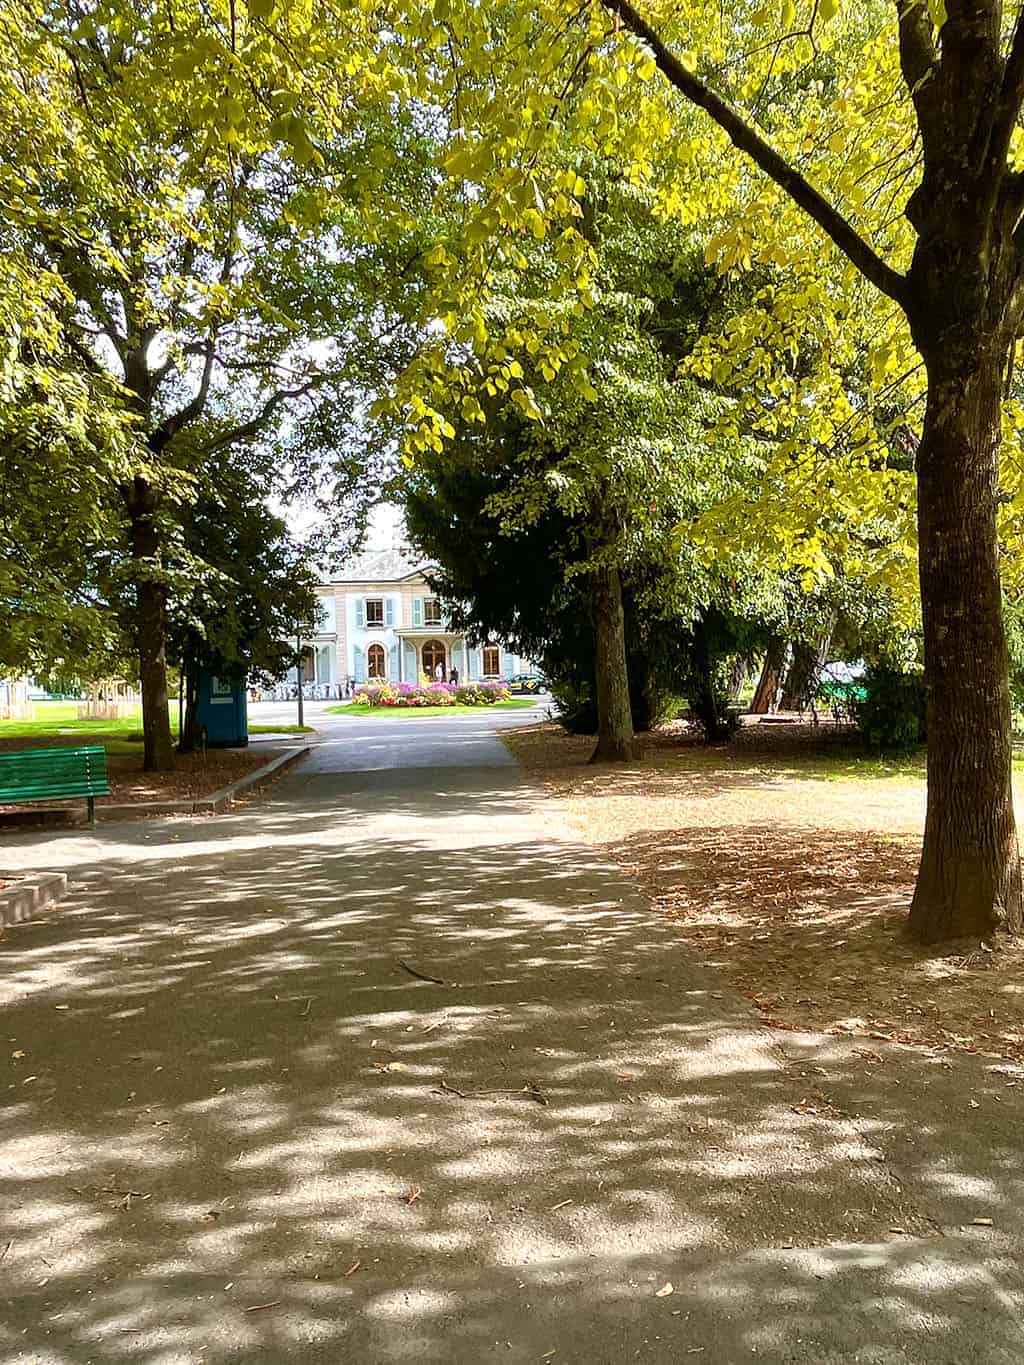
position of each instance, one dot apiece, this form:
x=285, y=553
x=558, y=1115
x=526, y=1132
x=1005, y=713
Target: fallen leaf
x=982, y=1222
x=666, y=1289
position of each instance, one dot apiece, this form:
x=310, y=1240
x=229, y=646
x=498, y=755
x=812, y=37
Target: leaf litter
x=787, y=862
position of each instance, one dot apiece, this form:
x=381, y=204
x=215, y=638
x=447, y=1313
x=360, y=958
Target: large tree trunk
x=150, y=631
x=615, y=740
x=706, y=702
x=802, y=674
x=766, y=693
x=969, y=881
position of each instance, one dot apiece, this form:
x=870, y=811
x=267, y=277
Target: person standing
x=439, y=672
x=453, y=677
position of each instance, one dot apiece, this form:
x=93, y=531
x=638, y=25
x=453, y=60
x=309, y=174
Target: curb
x=222, y=799
x=28, y=897
x=202, y=805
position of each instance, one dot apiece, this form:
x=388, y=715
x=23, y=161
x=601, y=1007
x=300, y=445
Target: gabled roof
x=381, y=566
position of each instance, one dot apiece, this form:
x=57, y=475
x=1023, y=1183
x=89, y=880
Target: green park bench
x=51, y=774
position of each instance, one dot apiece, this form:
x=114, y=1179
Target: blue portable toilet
x=221, y=710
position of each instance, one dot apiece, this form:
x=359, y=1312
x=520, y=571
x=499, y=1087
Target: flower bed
x=430, y=694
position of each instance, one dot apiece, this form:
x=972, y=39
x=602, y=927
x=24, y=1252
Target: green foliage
x=245, y=588
x=573, y=706
x=891, y=715
x=206, y=246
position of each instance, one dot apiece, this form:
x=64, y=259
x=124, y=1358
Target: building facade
x=381, y=622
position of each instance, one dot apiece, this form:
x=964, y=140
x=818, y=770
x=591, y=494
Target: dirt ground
x=788, y=863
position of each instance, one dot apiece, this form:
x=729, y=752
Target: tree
x=595, y=502
x=905, y=112
x=962, y=296
x=514, y=581
x=254, y=594
x=204, y=265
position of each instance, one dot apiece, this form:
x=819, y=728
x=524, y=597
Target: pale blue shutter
x=360, y=665
x=411, y=671
x=393, y=663
x=360, y=614
x=508, y=664
x=417, y=611
x=389, y=611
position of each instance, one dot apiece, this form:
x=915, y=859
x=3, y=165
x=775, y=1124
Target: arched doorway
x=375, y=665
x=433, y=654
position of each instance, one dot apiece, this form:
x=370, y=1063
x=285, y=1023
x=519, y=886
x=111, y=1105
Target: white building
x=381, y=621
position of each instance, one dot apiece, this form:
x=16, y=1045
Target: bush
x=574, y=708
x=891, y=713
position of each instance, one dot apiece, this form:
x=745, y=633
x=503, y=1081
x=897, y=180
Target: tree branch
x=747, y=140
x=918, y=57
x=1009, y=101
x=169, y=428
x=246, y=430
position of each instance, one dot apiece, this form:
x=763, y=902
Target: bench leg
x=92, y=809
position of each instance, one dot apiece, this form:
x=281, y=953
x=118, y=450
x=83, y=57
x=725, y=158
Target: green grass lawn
x=59, y=719
x=393, y=712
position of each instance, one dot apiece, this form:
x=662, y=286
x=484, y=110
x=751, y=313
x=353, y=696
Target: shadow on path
x=233, y=1126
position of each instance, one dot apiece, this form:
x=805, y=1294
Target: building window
x=375, y=612
x=431, y=611
x=433, y=654
x=375, y=667
x=492, y=661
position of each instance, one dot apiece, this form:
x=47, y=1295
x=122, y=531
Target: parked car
x=528, y=684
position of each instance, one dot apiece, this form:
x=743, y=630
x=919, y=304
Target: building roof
x=381, y=566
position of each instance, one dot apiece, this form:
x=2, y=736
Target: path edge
x=203, y=805
x=27, y=897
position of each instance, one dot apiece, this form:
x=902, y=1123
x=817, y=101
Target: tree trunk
x=706, y=702
x=802, y=674
x=766, y=694
x=615, y=740
x=150, y=632
x=739, y=672
x=969, y=881
x=188, y=737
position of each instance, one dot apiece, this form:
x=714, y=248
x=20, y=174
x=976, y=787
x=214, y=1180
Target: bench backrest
x=35, y=774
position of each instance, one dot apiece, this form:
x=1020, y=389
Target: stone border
x=201, y=805
x=30, y=895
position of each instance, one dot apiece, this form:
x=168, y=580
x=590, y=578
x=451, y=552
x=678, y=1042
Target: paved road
x=412, y=741
x=389, y=1069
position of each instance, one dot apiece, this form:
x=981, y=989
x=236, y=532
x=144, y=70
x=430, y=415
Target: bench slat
x=40, y=790
x=45, y=774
